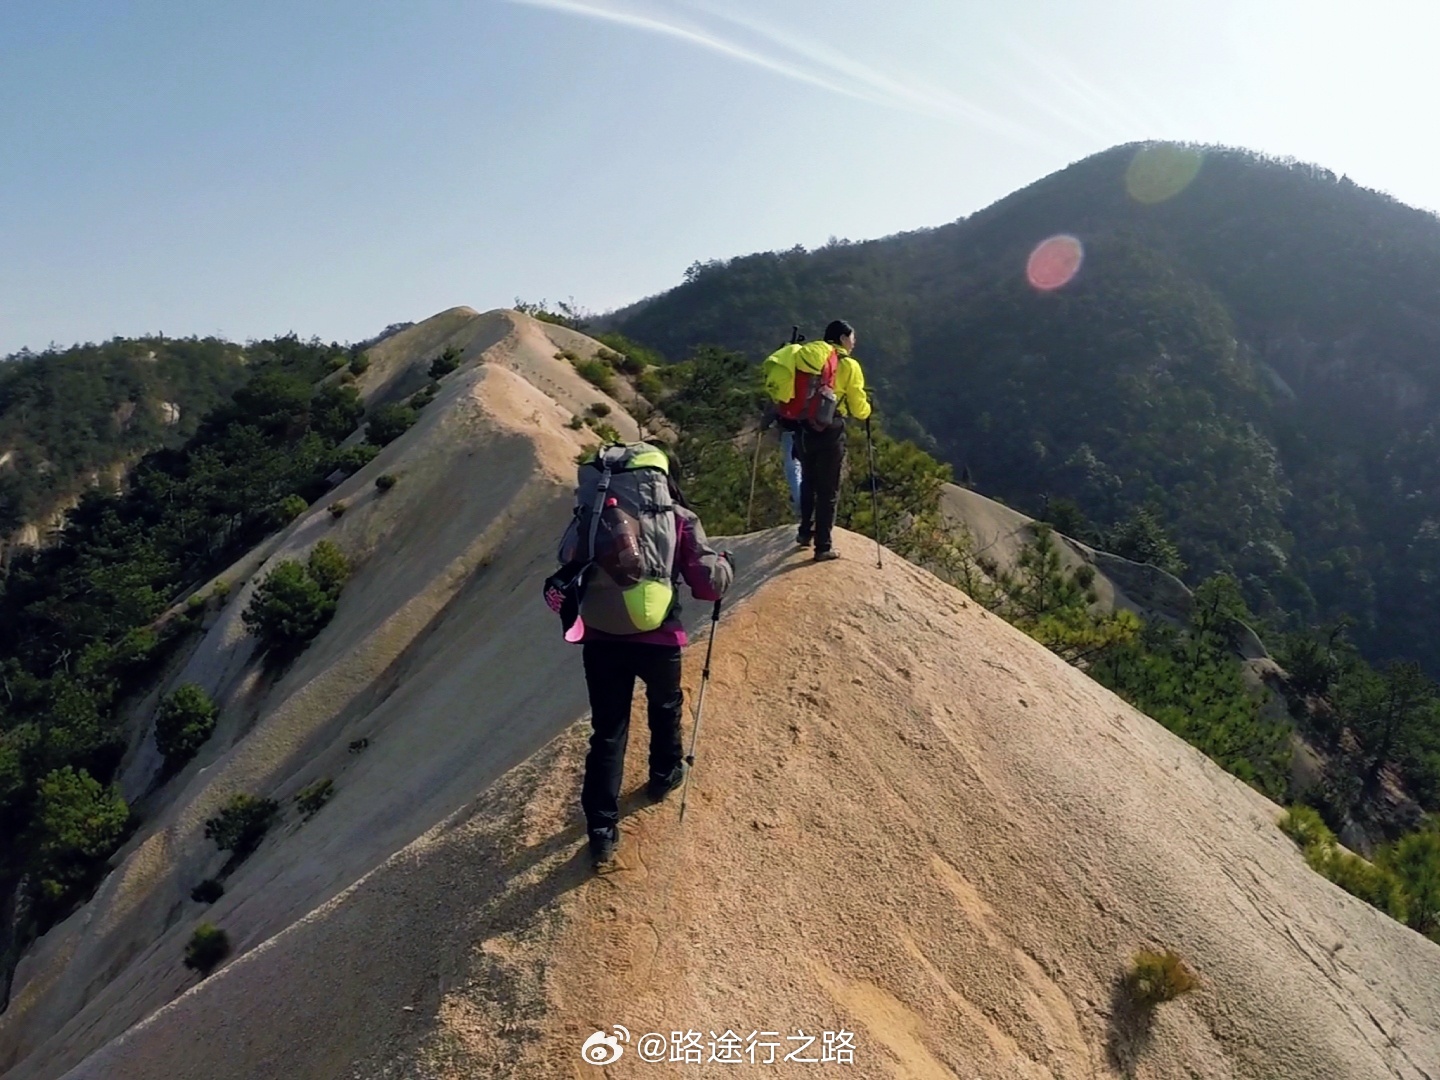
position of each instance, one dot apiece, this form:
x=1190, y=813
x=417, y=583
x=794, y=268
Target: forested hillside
x=69, y=416
x=80, y=626
x=1249, y=354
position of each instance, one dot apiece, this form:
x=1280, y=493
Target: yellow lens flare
x=1054, y=262
x=1161, y=171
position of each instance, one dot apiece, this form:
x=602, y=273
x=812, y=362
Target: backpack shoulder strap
x=606, y=464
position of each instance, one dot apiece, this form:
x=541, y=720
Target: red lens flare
x=1054, y=262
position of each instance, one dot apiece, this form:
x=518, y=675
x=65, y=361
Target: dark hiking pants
x=611, y=668
x=821, y=454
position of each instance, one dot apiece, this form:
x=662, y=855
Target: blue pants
x=791, y=465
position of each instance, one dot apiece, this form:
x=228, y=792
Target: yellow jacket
x=780, y=366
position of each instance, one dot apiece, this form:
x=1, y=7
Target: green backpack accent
x=619, y=549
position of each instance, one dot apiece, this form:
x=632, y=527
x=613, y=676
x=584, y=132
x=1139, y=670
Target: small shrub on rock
x=313, y=797
x=1158, y=977
x=242, y=824
x=388, y=423
x=183, y=722
x=597, y=374
x=295, y=601
x=209, y=945
x=445, y=363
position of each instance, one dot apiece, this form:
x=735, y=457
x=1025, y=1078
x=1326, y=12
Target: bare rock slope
x=912, y=823
x=997, y=534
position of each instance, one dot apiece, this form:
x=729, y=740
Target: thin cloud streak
x=695, y=37
x=1095, y=109
x=909, y=96
x=860, y=83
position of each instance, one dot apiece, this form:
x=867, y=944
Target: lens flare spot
x=1161, y=171
x=1054, y=262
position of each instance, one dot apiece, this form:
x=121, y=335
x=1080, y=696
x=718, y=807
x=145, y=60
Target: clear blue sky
x=330, y=166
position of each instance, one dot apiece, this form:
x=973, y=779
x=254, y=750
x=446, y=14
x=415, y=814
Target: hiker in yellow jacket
x=816, y=385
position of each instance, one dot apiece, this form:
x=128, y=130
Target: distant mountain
x=69, y=418
x=1250, y=347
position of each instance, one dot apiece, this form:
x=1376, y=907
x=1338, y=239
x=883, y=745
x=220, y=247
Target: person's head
x=841, y=333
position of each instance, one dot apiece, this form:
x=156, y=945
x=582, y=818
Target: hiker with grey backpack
x=630, y=544
x=815, y=387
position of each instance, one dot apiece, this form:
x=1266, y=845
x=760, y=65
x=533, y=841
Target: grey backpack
x=618, y=552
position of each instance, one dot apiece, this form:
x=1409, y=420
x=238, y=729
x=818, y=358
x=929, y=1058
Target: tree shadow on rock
x=1130, y=1028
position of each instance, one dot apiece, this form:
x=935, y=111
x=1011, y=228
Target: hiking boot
x=803, y=537
x=602, y=846
x=660, y=786
x=827, y=555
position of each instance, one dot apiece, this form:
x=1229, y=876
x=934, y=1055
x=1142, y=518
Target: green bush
x=183, y=722
x=78, y=823
x=1414, y=861
x=576, y=422
x=602, y=376
x=631, y=352
x=334, y=412
x=1158, y=977
x=1378, y=884
x=209, y=945
x=1141, y=538
x=424, y=396
x=387, y=423
x=1309, y=662
x=207, y=892
x=1304, y=825
x=385, y=481
x=285, y=511
x=648, y=384
x=625, y=364
x=241, y=824
x=360, y=364
x=337, y=508
x=328, y=566
x=445, y=363
x=311, y=798
x=353, y=458
x=1374, y=884
x=288, y=609
x=296, y=600
x=221, y=591
x=599, y=409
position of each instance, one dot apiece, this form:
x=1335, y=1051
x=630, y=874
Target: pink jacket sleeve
x=706, y=571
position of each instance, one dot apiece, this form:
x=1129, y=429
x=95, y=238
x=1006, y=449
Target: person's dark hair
x=673, y=477
x=836, y=330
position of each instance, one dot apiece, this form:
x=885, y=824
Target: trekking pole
x=754, y=468
x=874, y=496
x=699, y=709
